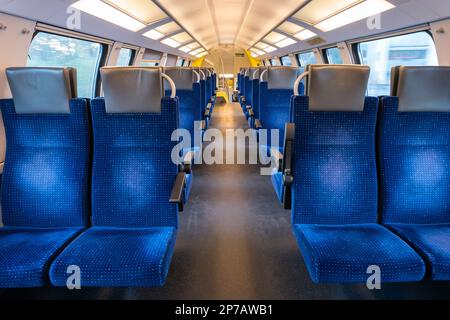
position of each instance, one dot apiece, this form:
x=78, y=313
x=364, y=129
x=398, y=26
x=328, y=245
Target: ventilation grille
x=315, y=41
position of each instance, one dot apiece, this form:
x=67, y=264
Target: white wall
x=441, y=35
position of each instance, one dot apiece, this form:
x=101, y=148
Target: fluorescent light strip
x=108, y=13
x=185, y=49
x=286, y=42
x=269, y=49
x=153, y=34
x=305, y=35
x=171, y=43
x=358, y=12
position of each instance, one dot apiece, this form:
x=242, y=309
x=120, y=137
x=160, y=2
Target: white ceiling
x=239, y=22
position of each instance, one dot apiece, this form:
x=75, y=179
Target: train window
x=333, y=56
x=125, y=57
x=275, y=62
x=180, y=62
x=306, y=58
x=149, y=63
x=286, y=61
x=416, y=49
x=50, y=50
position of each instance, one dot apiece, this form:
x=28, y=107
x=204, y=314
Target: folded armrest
x=178, y=190
x=251, y=114
x=249, y=107
x=288, y=178
x=208, y=113
x=203, y=125
x=209, y=106
x=258, y=124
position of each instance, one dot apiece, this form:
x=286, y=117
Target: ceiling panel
x=143, y=10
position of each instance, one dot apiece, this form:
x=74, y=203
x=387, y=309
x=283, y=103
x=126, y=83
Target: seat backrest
x=414, y=147
x=187, y=82
x=133, y=174
x=275, y=97
x=202, y=87
x=335, y=172
x=46, y=179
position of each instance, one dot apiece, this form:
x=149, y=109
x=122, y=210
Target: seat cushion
x=26, y=254
x=343, y=253
x=432, y=242
x=116, y=257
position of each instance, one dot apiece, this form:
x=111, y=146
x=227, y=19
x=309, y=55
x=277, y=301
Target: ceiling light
x=185, y=49
x=261, y=45
x=274, y=37
x=153, y=34
x=254, y=55
x=143, y=10
x=286, y=42
x=270, y=49
x=169, y=28
x=193, y=45
x=359, y=12
x=290, y=28
x=182, y=37
x=108, y=13
x=318, y=10
x=305, y=34
x=171, y=43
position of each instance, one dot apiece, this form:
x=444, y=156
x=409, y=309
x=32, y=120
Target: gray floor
x=235, y=242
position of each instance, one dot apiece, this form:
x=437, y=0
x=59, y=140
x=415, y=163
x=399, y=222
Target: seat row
x=91, y=184
x=369, y=177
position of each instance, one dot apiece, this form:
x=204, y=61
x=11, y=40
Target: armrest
x=209, y=106
x=258, y=124
x=178, y=190
x=288, y=178
x=249, y=107
x=203, y=125
x=207, y=113
x=251, y=113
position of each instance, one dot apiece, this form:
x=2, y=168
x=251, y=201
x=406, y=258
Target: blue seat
x=274, y=112
x=414, y=160
x=187, y=82
x=134, y=225
x=335, y=204
x=253, y=106
x=45, y=183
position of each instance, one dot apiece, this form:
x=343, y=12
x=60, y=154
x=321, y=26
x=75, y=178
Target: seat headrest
x=42, y=90
x=337, y=87
x=183, y=77
x=132, y=89
x=282, y=77
x=254, y=73
x=421, y=89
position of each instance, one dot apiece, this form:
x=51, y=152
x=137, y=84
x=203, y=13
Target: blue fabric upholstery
x=277, y=182
x=45, y=190
x=203, y=95
x=432, y=241
x=26, y=254
x=255, y=97
x=249, y=91
x=414, y=162
x=190, y=107
x=343, y=253
x=133, y=222
x=208, y=89
x=275, y=108
x=45, y=181
x=414, y=159
x=118, y=257
x=335, y=199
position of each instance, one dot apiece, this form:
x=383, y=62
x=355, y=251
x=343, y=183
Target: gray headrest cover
x=183, y=77
x=41, y=90
x=337, y=87
x=132, y=89
x=282, y=77
x=423, y=89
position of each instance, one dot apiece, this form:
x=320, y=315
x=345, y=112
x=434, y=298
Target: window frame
x=134, y=52
x=105, y=47
x=325, y=57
